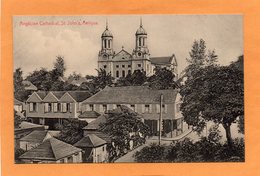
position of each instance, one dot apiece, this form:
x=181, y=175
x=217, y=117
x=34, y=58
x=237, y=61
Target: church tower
x=106, y=53
x=141, y=55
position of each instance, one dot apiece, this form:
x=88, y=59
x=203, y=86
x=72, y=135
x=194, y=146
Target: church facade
x=122, y=63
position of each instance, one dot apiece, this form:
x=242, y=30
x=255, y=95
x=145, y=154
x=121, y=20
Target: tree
x=213, y=93
x=59, y=66
x=137, y=78
x=17, y=120
x=19, y=89
x=71, y=130
x=41, y=79
x=103, y=79
x=122, y=122
x=162, y=79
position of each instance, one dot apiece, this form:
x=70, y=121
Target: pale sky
x=37, y=46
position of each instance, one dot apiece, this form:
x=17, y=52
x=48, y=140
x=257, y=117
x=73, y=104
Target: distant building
x=29, y=86
x=89, y=116
x=122, y=63
x=94, y=149
x=18, y=105
x=53, y=151
x=50, y=108
x=143, y=100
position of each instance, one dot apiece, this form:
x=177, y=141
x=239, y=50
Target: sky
x=38, y=40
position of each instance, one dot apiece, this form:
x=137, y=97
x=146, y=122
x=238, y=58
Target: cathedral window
x=105, y=66
x=117, y=73
x=117, y=66
x=108, y=43
x=123, y=66
x=129, y=66
x=105, y=43
x=140, y=41
x=123, y=73
x=139, y=65
x=143, y=41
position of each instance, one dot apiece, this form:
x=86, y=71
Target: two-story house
x=49, y=108
x=146, y=102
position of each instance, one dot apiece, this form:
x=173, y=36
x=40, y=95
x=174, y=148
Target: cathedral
x=122, y=63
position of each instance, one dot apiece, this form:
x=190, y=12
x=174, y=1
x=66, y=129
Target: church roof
x=163, y=60
x=131, y=94
x=141, y=31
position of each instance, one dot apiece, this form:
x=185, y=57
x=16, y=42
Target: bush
x=151, y=154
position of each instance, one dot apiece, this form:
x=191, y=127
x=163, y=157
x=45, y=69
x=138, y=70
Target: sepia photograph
x=128, y=89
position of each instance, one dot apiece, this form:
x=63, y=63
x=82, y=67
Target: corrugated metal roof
x=94, y=125
x=89, y=114
x=51, y=149
x=132, y=95
x=35, y=136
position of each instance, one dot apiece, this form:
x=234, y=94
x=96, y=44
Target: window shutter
x=36, y=107
x=158, y=108
x=64, y=107
x=71, y=104
x=143, y=106
x=150, y=108
x=165, y=108
x=45, y=107
x=31, y=106
x=55, y=107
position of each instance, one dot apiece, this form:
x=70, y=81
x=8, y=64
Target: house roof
x=35, y=136
x=132, y=94
x=89, y=114
x=51, y=149
x=25, y=124
x=90, y=141
x=17, y=102
x=163, y=60
x=100, y=135
x=94, y=125
x=54, y=96
x=29, y=86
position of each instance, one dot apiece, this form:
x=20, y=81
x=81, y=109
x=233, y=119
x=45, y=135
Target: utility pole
x=160, y=119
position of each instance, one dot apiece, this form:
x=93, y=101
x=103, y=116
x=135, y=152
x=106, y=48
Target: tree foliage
x=211, y=92
x=19, y=89
x=59, y=66
x=120, y=124
x=71, y=130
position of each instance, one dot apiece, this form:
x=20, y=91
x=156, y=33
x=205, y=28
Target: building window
x=117, y=73
x=139, y=65
x=123, y=66
x=70, y=159
x=91, y=107
x=105, y=66
x=68, y=107
x=104, y=108
x=59, y=107
x=129, y=66
x=64, y=107
x=132, y=107
x=33, y=107
x=47, y=107
x=103, y=148
x=123, y=73
x=146, y=108
x=117, y=66
x=140, y=41
x=105, y=43
x=108, y=43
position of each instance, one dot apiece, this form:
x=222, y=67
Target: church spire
x=106, y=24
x=141, y=23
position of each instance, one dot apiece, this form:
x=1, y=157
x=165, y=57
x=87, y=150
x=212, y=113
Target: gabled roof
x=50, y=97
x=36, y=136
x=90, y=141
x=67, y=98
x=51, y=149
x=131, y=95
x=29, y=86
x=100, y=135
x=55, y=96
x=122, y=56
x=17, y=102
x=167, y=60
x=35, y=97
x=89, y=114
